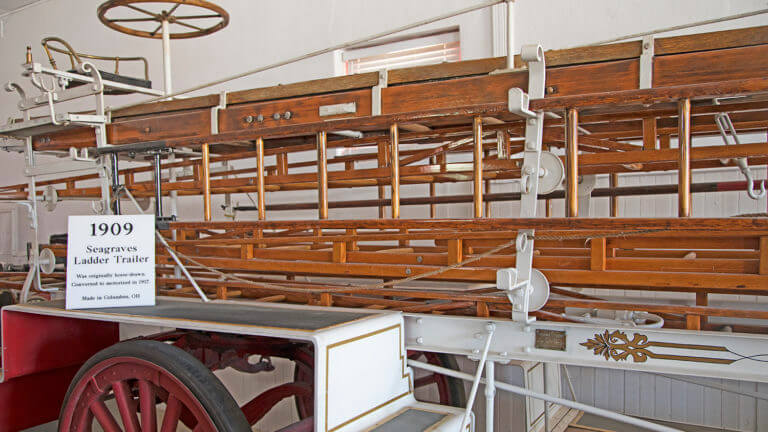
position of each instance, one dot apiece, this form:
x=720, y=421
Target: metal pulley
x=47, y=261
x=50, y=198
x=507, y=280
x=551, y=173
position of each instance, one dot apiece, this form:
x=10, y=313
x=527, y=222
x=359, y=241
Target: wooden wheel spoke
x=104, y=417
x=132, y=19
x=172, y=414
x=147, y=404
x=154, y=32
x=186, y=17
x=126, y=405
x=138, y=9
x=188, y=25
x=424, y=381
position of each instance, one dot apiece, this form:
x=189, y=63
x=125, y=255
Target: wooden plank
x=339, y=252
x=445, y=70
x=206, y=101
x=303, y=109
x=763, y=269
x=649, y=133
x=455, y=251
x=710, y=66
x=591, y=54
x=711, y=41
x=598, y=253
x=305, y=88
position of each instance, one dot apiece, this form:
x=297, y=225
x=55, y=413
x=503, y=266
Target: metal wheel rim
x=150, y=16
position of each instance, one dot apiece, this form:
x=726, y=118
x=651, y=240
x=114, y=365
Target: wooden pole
x=572, y=162
x=394, y=139
x=684, y=168
x=649, y=133
x=322, y=174
x=260, y=178
x=486, y=154
x=206, y=180
x=614, y=183
x=477, y=171
x=432, y=191
x=382, y=159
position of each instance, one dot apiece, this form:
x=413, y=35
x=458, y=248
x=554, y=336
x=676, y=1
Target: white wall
x=262, y=32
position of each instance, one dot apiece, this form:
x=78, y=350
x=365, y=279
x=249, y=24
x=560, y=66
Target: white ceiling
x=10, y=5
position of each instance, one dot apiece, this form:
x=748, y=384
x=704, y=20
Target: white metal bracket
x=517, y=282
x=646, y=62
x=376, y=92
x=215, y=112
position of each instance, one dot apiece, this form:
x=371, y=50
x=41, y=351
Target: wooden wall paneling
x=151, y=128
x=302, y=110
x=710, y=66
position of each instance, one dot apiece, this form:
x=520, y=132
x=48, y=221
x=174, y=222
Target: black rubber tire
x=455, y=385
x=209, y=391
x=6, y=299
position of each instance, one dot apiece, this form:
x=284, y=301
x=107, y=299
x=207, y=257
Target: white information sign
x=110, y=261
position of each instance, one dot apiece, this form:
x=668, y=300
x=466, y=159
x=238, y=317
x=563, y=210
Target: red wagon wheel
x=450, y=390
x=139, y=375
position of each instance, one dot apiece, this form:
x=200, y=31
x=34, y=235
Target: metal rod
x=179, y=264
x=572, y=162
x=684, y=168
x=322, y=174
x=545, y=397
x=510, y=34
x=477, y=167
x=432, y=192
x=316, y=53
x=490, y=328
x=168, y=87
x=183, y=268
x=394, y=155
x=158, y=187
x=490, y=393
x=206, y=174
x=260, y=178
x=115, y=183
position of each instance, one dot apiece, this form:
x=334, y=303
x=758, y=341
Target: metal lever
x=725, y=125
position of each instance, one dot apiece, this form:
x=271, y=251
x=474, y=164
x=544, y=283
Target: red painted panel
x=37, y=343
x=34, y=399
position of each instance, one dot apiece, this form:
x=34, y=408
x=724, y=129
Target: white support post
x=490, y=328
x=490, y=393
x=167, y=85
x=510, y=34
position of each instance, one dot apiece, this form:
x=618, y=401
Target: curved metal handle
x=750, y=181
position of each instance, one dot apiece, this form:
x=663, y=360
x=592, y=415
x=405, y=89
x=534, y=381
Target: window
x=415, y=50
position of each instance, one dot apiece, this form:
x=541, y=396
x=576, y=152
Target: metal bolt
x=287, y=115
x=646, y=45
x=407, y=271
x=260, y=118
x=249, y=119
x=420, y=340
x=276, y=116
x=475, y=351
x=419, y=259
